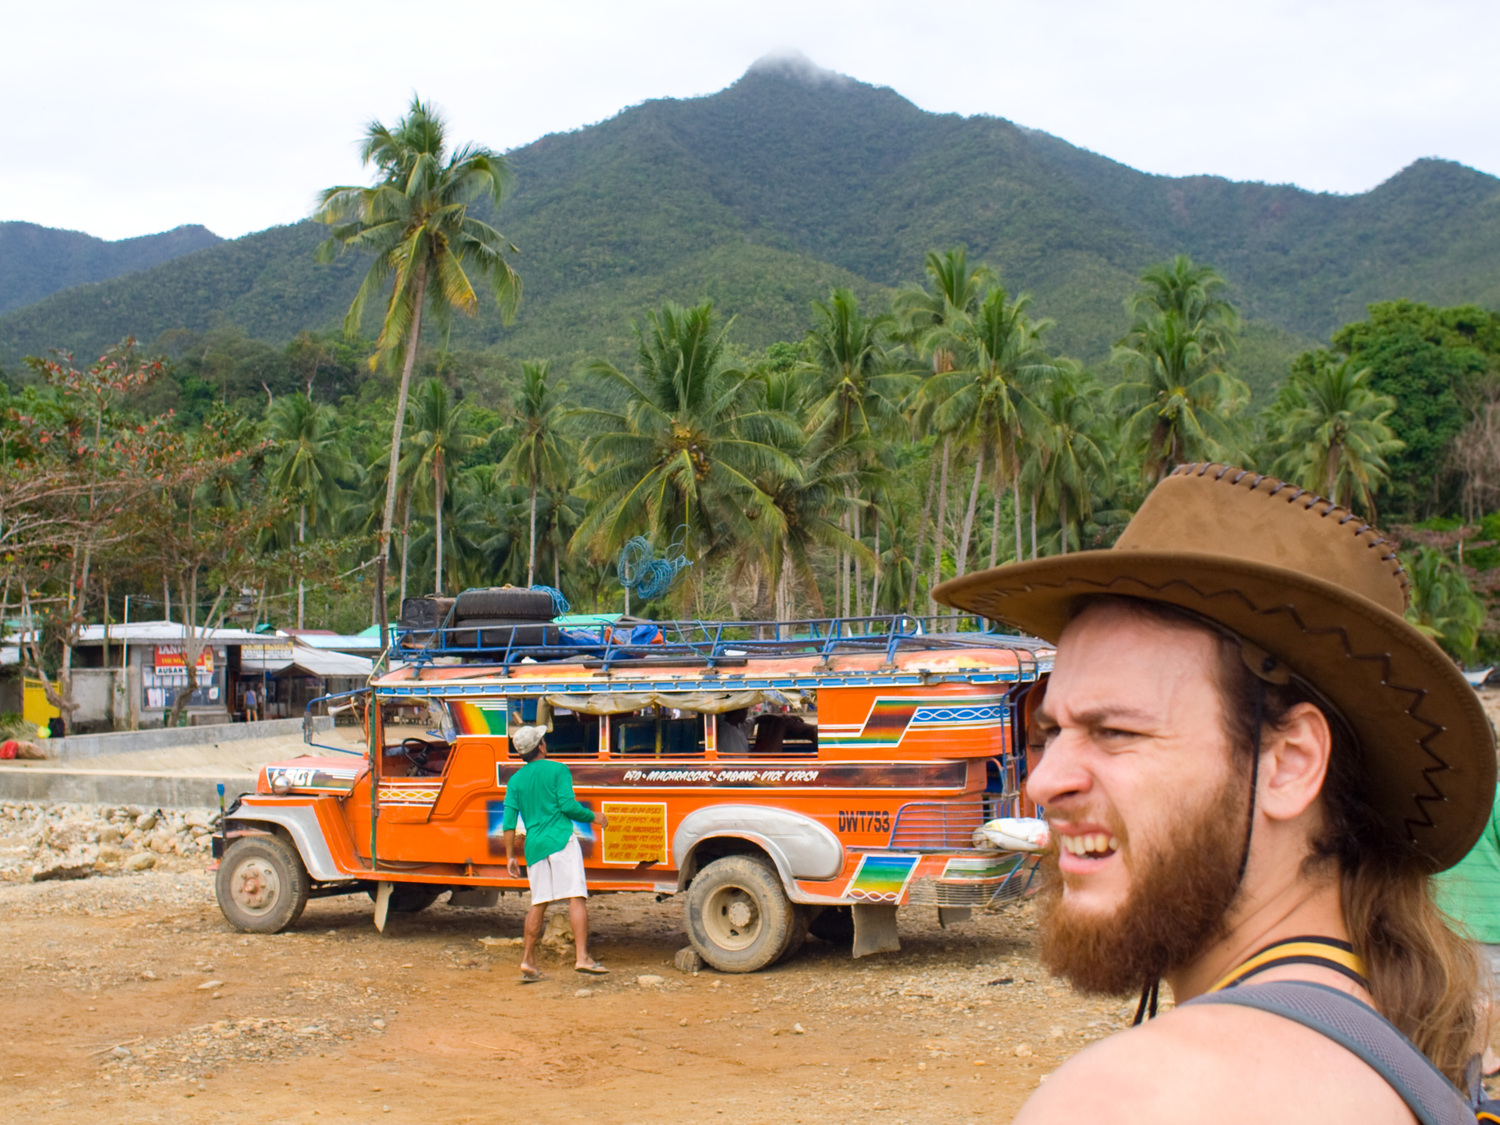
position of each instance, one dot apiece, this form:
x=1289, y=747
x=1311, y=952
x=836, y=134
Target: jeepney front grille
x=940, y=825
x=991, y=892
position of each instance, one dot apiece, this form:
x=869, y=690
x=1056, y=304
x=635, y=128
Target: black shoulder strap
x=1364, y=1031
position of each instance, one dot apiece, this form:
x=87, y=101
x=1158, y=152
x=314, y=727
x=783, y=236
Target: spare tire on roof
x=504, y=634
x=424, y=613
x=504, y=601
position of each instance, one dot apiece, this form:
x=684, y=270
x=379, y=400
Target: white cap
x=524, y=740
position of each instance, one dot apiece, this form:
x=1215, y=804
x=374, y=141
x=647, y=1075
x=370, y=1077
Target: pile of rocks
x=41, y=841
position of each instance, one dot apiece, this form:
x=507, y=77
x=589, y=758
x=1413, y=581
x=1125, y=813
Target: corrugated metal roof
x=169, y=632
x=311, y=662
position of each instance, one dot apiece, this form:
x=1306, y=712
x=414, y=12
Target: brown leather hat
x=1316, y=587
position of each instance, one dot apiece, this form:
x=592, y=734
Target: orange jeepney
x=775, y=776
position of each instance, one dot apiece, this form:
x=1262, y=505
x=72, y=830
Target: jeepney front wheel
x=738, y=916
x=261, y=885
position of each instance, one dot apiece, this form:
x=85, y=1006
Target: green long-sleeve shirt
x=1469, y=892
x=541, y=793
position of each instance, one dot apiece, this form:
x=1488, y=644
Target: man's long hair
x=1423, y=977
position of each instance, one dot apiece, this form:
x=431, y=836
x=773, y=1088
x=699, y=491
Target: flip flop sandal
x=531, y=976
x=594, y=969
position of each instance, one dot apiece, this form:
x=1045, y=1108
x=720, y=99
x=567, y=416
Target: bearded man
x=1250, y=764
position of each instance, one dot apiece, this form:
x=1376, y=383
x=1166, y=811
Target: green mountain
x=794, y=179
x=37, y=261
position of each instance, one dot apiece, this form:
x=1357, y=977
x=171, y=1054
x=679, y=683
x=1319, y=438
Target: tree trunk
x=940, y=520
x=916, y=558
x=1062, y=517
x=858, y=563
x=405, y=542
x=531, y=558
x=875, y=581
x=388, y=517
x=995, y=526
x=963, y=550
x=437, y=487
x=1033, y=523
x=1015, y=494
x=301, y=584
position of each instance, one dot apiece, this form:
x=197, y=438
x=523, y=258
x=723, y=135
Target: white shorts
x=558, y=876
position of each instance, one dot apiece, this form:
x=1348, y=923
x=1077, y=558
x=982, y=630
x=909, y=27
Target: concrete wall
x=123, y=742
x=150, y=790
x=94, y=692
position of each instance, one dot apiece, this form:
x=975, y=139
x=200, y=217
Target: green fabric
x=1469, y=892
x=541, y=793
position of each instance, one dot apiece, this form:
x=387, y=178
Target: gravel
x=52, y=842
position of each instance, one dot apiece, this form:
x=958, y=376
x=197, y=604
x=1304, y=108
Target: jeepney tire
x=834, y=924
x=504, y=601
x=410, y=898
x=262, y=885
x=738, y=916
x=801, y=919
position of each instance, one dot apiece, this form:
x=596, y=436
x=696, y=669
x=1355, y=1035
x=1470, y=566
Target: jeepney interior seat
x=785, y=734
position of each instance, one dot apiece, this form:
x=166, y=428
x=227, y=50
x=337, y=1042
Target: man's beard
x=1175, y=908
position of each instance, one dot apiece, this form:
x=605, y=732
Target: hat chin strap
x=1146, y=1009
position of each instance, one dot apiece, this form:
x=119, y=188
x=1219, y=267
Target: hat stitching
x=1418, y=695
x=1399, y=574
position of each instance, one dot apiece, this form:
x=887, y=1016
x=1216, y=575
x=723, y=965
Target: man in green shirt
x=541, y=795
x=1469, y=893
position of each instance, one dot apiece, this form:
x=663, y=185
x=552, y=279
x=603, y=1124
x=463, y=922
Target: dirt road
x=128, y=999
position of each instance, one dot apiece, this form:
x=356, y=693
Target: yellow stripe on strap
x=1282, y=950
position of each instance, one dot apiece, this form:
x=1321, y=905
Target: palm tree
x=306, y=463
x=814, y=501
x=859, y=404
x=416, y=222
x=1072, y=464
x=1331, y=428
x=986, y=400
x=1444, y=604
x=683, y=444
x=441, y=436
x=1177, y=397
x=927, y=317
x=541, y=452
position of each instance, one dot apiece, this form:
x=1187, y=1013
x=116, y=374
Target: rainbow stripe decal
x=478, y=718
x=881, y=878
x=889, y=719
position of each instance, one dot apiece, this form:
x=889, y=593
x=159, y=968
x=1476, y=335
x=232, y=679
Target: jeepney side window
x=789, y=732
x=573, y=735
x=656, y=732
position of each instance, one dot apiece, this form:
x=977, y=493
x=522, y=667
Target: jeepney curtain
x=703, y=702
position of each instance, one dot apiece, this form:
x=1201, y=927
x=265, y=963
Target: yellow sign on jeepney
x=637, y=833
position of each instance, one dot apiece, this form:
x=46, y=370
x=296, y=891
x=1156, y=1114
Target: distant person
x=252, y=705
x=1469, y=893
x=541, y=795
x=729, y=733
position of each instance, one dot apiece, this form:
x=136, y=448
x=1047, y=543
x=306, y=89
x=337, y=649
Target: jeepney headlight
x=281, y=784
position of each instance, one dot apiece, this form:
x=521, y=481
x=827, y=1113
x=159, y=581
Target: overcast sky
x=129, y=118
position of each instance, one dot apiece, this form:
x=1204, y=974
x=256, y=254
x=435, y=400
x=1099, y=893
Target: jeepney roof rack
x=712, y=643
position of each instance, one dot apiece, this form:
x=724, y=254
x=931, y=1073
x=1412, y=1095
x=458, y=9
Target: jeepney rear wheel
x=738, y=916
x=262, y=885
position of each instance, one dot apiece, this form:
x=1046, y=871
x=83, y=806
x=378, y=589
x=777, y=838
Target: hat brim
x=1428, y=748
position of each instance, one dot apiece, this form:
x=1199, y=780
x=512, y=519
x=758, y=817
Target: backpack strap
x=1358, y=1027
